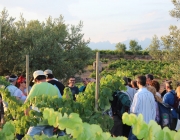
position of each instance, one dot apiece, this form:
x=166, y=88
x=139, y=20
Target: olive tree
x=50, y=45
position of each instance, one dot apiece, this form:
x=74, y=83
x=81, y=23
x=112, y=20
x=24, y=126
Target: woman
x=20, y=92
x=153, y=91
x=156, y=84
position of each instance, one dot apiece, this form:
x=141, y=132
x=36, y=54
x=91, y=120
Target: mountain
x=106, y=45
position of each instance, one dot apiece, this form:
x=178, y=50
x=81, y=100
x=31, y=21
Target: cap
x=48, y=71
x=37, y=73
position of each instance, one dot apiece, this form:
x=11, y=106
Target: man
x=11, y=88
x=71, y=85
x=50, y=79
x=41, y=87
x=143, y=103
x=169, y=98
x=149, y=78
x=130, y=91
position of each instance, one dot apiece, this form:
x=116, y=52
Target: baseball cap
x=48, y=71
x=37, y=73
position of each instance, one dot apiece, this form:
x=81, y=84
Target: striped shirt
x=144, y=103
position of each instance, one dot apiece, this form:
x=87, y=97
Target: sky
x=103, y=20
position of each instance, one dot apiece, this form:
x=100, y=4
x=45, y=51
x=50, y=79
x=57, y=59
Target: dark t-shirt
x=59, y=85
x=74, y=91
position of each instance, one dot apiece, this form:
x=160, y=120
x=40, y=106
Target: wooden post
x=97, y=81
x=27, y=74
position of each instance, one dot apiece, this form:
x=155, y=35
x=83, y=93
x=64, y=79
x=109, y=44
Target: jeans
x=131, y=136
x=37, y=130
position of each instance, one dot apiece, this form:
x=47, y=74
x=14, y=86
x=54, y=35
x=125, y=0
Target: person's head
x=21, y=82
x=39, y=76
x=141, y=81
x=13, y=79
x=125, y=81
x=149, y=78
x=168, y=85
x=178, y=91
x=71, y=81
x=85, y=81
x=152, y=89
x=49, y=74
x=134, y=84
x=155, y=84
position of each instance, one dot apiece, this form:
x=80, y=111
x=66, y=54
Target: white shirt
x=11, y=88
x=144, y=103
x=18, y=93
x=130, y=92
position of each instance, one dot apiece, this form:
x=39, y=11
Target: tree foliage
x=50, y=44
x=134, y=47
x=155, y=48
x=176, y=11
x=120, y=47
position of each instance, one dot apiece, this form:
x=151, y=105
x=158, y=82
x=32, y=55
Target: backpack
x=120, y=103
x=165, y=115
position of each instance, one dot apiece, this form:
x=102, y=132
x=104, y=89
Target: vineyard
x=78, y=118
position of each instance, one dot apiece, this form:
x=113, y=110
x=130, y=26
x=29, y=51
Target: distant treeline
x=116, y=52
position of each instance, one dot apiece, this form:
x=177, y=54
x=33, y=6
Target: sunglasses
x=24, y=82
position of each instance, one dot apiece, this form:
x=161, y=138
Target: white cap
x=48, y=71
x=37, y=73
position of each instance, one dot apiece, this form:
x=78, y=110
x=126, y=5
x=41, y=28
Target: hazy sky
x=104, y=20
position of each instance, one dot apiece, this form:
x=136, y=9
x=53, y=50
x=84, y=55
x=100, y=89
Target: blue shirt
x=169, y=99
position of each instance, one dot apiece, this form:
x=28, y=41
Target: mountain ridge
x=106, y=45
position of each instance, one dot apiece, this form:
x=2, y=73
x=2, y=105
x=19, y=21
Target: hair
x=152, y=89
x=125, y=80
x=178, y=91
x=31, y=83
x=50, y=76
x=71, y=77
x=134, y=83
x=40, y=77
x=155, y=84
x=21, y=79
x=141, y=80
x=169, y=84
x=150, y=76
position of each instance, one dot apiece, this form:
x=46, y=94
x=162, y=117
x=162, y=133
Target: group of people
x=43, y=82
x=144, y=94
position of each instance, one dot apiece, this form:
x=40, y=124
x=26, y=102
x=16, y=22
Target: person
x=11, y=88
x=130, y=91
x=134, y=84
x=149, y=78
x=41, y=87
x=85, y=82
x=143, y=103
x=50, y=79
x=153, y=91
x=20, y=92
x=129, y=81
x=178, y=95
x=71, y=85
x=156, y=84
x=169, y=99
x=119, y=105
